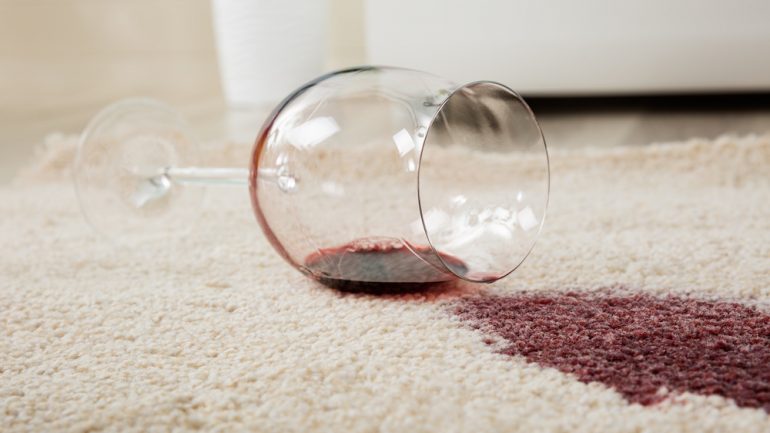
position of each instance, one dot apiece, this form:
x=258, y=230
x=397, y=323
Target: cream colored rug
x=644, y=307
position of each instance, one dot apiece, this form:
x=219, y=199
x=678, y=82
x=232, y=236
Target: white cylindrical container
x=267, y=48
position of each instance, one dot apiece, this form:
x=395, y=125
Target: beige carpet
x=217, y=333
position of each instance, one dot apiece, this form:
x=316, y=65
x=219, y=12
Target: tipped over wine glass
x=364, y=178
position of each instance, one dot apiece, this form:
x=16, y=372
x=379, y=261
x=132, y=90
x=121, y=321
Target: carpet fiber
x=644, y=307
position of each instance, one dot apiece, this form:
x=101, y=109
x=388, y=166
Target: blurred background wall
x=62, y=60
x=77, y=54
x=67, y=54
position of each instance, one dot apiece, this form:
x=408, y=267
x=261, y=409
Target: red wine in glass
x=380, y=266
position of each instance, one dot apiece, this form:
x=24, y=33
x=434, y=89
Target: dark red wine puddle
x=637, y=344
x=384, y=267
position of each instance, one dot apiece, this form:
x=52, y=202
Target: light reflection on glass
x=312, y=132
x=459, y=200
x=404, y=142
x=527, y=219
x=460, y=230
x=333, y=189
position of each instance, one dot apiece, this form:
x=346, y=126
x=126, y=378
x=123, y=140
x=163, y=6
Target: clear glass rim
x=547, y=178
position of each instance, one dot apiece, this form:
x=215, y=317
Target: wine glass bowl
x=401, y=173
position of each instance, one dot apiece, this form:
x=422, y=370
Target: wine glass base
x=119, y=173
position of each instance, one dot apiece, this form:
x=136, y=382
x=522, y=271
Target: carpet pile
x=643, y=307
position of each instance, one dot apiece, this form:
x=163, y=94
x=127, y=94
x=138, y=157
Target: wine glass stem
x=225, y=176
x=208, y=175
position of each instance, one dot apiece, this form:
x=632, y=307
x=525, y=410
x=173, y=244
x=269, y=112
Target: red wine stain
x=380, y=266
x=637, y=344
